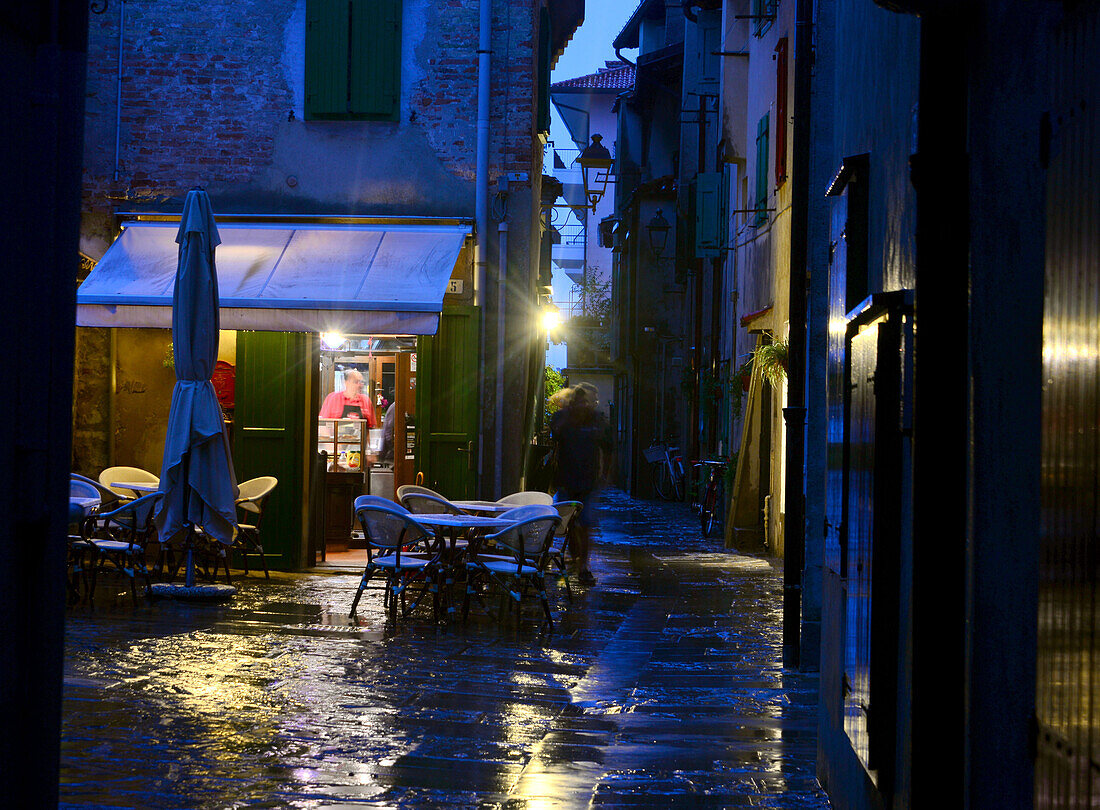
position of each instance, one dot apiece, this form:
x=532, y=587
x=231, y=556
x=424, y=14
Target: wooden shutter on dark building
x=326, y=59
x=375, y=59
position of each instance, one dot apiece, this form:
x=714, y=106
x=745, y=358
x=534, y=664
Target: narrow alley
x=661, y=687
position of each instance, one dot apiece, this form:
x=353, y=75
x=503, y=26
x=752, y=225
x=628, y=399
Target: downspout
x=118, y=87
x=481, y=204
x=621, y=58
x=794, y=415
x=498, y=421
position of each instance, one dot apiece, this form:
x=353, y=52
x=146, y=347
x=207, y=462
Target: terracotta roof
x=616, y=76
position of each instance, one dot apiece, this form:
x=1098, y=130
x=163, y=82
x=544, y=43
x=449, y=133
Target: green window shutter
x=708, y=188
x=761, y=201
x=326, y=59
x=375, y=53
x=543, y=113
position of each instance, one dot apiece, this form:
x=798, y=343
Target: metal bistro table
x=138, y=489
x=484, y=507
x=446, y=528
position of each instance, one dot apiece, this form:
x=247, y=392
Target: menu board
x=410, y=437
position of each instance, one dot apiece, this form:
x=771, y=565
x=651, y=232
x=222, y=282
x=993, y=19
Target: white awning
x=284, y=277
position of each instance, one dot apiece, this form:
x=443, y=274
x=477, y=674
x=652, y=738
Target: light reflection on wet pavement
x=661, y=687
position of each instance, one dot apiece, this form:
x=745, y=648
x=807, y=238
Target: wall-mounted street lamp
x=596, y=166
x=658, y=229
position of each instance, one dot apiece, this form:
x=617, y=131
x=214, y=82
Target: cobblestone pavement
x=660, y=687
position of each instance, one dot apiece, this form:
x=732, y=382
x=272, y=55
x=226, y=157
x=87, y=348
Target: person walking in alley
x=582, y=444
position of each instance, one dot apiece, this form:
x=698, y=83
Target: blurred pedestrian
x=582, y=446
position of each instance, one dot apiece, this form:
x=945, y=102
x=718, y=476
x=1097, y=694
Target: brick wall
x=208, y=89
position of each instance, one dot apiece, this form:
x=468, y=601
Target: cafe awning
x=285, y=277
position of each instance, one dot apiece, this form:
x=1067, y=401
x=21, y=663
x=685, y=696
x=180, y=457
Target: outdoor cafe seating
x=519, y=562
x=401, y=551
x=250, y=500
x=527, y=497
x=567, y=511
x=121, y=537
x=112, y=476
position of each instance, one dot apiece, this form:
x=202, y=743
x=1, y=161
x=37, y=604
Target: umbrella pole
x=189, y=571
x=189, y=546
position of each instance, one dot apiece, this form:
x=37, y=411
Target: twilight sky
x=591, y=45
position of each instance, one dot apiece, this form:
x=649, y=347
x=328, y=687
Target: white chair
x=134, y=475
x=250, y=499
x=527, y=497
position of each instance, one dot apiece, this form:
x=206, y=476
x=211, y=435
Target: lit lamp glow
x=551, y=319
x=332, y=340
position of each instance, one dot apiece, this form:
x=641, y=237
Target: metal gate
x=1067, y=769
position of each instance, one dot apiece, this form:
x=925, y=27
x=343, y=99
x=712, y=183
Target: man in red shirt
x=351, y=403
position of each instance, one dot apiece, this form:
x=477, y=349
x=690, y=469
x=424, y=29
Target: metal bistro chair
x=568, y=512
x=250, y=499
x=408, y=489
x=81, y=523
x=122, y=538
x=527, y=497
x=421, y=502
x=524, y=554
x=108, y=498
x=396, y=546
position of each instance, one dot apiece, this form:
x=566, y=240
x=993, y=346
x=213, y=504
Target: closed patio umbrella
x=197, y=476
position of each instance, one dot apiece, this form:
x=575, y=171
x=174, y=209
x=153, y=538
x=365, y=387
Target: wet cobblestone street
x=660, y=687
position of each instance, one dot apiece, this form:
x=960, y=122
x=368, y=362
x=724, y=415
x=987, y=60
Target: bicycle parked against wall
x=711, y=495
x=667, y=471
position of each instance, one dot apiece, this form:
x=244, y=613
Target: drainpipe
x=794, y=415
x=498, y=421
x=118, y=86
x=481, y=199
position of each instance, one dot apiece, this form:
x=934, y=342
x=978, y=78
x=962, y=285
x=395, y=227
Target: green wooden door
x=447, y=380
x=269, y=434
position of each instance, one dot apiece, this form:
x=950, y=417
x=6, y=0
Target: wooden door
x=270, y=435
x=448, y=379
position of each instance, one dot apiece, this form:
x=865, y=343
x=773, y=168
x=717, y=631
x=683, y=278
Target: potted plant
x=771, y=361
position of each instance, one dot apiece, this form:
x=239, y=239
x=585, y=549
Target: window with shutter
x=710, y=226
x=761, y=201
x=763, y=15
x=353, y=59
x=544, y=71
x=781, y=111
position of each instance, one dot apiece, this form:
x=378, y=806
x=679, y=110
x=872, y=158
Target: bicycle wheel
x=711, y=516
x=659, y=474
x=677, y=486
x=706, y=511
